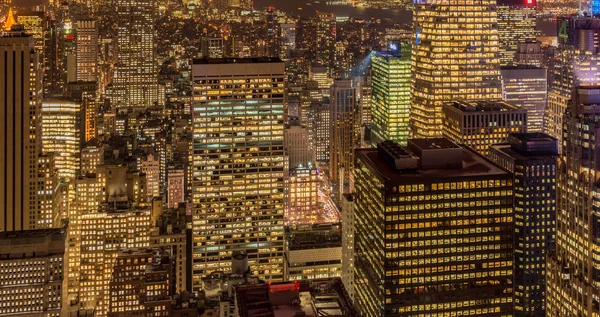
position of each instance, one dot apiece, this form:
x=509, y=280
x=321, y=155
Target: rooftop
x=309, y=298
x=482, y=105
x=237, y=60
x=470, y=163
x=315, y=237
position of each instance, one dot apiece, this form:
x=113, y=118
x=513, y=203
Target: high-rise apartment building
x=32, y=266
x=433, y=231
x=527, y=87
x=61, y=135
x=135, y=80
x=480, y=124
x=390, y=100
x=471, y=72
x=238, y=166
x=531, y=157
x=343, y=131
x=20, y=93
x=517, y=20
x=87, y=50
x=573, y=281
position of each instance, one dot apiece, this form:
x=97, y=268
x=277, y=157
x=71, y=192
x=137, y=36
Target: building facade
x=531, y=157
x=343, y=131
x=19, y=140
x=433, y=231
x=517, y=21
x=135, y=81
x=527, y=87
x=32, y=266
x=391, y=79
x=238, y=164
x=480, y=124
x=572, y=270
x=442, y=74
x=61, y=135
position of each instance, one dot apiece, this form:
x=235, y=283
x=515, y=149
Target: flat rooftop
x=473, y=165
x=323, y=297
x=483, y=106
x=253, y=60
x=434, y=144
x=314, y=239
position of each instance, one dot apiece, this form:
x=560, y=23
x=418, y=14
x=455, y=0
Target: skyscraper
x=433, y=231
x=135, y=81
x=87, y=50
x=480, y=124
x=573, y=282
x=455, y=56
x=343, y=131
x=527, y=87
x=20, y=93
x=390, y=100
x=61, y=135
x=517, y=20
x=238, y=164
x=531, y=157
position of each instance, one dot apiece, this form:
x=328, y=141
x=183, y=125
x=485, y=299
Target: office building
x=572, y=279
x=348, y=230
x=135, y=80
x=297, y=144
x=517, y=21
x=390, y=100
x=103, y=234
x=433, y=231
x=480, y=124
x=531, y=157
x=318, y=74
x=529, y=53
x=440, y=75
x=302, y=199
x=140, y=283
x=175, y=186
x=343, y=132
x=319, y=132
x=238, y=166
x=325, y=39
x=61, y=135
x=527, y=87
x=19, y=139
x=212, y=47
x=313, y=252
x=32, y=266
x=49, y=194
x=87, y=50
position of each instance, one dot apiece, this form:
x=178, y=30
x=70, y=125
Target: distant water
x=302, y=8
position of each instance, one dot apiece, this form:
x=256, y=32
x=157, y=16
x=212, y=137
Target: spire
x=10, y=20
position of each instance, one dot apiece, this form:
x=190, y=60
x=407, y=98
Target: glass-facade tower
x=455, y=56
x=390, y=99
